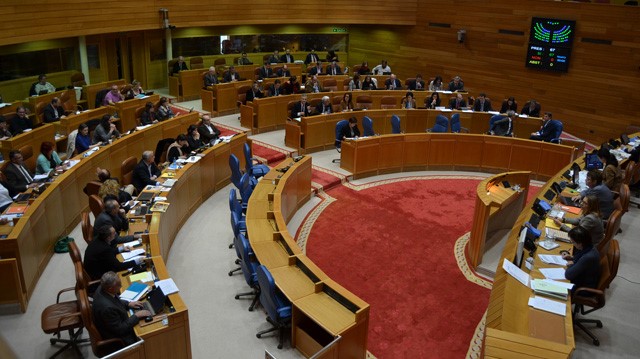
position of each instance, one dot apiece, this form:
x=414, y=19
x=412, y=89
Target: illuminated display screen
x=550, y=43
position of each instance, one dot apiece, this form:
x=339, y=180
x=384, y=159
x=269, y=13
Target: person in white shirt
x=382, y=68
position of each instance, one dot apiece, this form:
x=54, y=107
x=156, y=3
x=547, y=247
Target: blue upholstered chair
x=236, y=174
x=559, y=127
x=441, y=126
x=238, y=222
x=455, y=123
x=395, y=124
x=257, y=170
x=246, y=189
x=249, y=266
x=237, y=230
x=338, y=143
x=493, y=120
x=367, y=125
x=277, y=306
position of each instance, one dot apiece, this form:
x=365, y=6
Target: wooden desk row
x=322, y=309
x=452, y=151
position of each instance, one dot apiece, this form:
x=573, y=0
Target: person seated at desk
x=113, y=96
x=382, y=69
x=164, y=110
x=207, y=130
x=482, y=103
x=5, y=134
x=291, y=86
x=392, y=83
x=254, y=92
x=110, y=313
x=456, y=85
x=274, y=58
x=21, y=122
x=355, y=83
x=509, y=104
x=43, y=87
x=548, y=130
x=54, y=112
x=105, y=131
x=104, y=174
x=284, y=71
x=316, y=70
x=369, y=83
x=7, y=192
x=589, y=219
x=18, y=176
x=331, y=56
x=458, y=102
x=436, y=84
x=287, y=58
x=211, y=77
x=114, y=216
x=111, y=189
x=504, y=126
x=324, y=107
x=244, y=60
x=364, y=68
x=346, y=104
x=48, y=159
x=313, y=85
x=83, y=141
x=351, y=131
x=276, y=88
x=432, y=101
x=531, y=109
x=333, y=69
x=136, y=90
x=312, y=57
x=231, y=75
x=179, y=65
x=100, y=255
x=583, y=267
x=265, y=72
x=193, y=138
x=612, y=176
x=417, y=84
x=146, y=172
x=178, y=149
x=600, y=191
x=408, y=101
x=301, y=108
x=148, y=116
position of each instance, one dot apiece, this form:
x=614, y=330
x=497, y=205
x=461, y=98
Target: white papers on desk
x=168, y=286
x=72, y=163
x=90, y=152
x=192, y=159
x=523, y=116
x=469, y=111
x=159, y=199
x=27, y=130
x=548, y=305
x=557, y=234
x=548, y=245
x=4, y=104
x=10, y=217
x=134, y=253
x=494, y=112
x=567, y=285
x=169, y=183
x=299, y=119
x=137, y=242
x=553, y=273
x=515, y=272
x=152, y=188
x=552, y=259
x=138, y=128
x=446, y=92
x=554, y=213
x=40, y=177
x=445, y=110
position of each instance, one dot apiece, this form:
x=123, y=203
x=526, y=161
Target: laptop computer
x=155, y=301
x=146, y=196
x=592, y=162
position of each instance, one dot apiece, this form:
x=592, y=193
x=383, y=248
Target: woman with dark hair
x=364, y=68
x=135, y=90
x=611, y=174
x=355, y=83
x=583, y=267
x=83, y=141
x=48, y=159
x=509, y=104
x=590, y=219
x=436, y=84
x=105, y=131
x=164, y=110
x=148, y=116
x=432, y=101
x=351, y=130
x=346, y=104
x=368, y=83
x=408, y=101
x=193, y=138
x=178, y=149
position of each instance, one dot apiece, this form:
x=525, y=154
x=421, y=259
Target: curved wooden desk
x=322, y=309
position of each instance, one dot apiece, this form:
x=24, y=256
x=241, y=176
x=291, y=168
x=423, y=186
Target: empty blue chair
x=441, y=126
x=367, y=125
x=245, y=190
x=238, y=223
x=558, y=126
x=339, y=128
x=236, y=174
x=455, y=123
x=277, y=306
x=395, y=124
x=236, y=232
x=257, y=170
x=249, y=267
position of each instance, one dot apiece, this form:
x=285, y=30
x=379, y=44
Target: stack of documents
x=553, y=273
x=515, y=272
x=134, y=253
x=553, y=259
x=168, y=183
x=168, y=286
x=558, y=234
x=548, y=305
x=549, y=288
x=142, y=277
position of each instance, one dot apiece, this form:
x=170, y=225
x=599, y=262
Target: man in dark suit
x=211, y=78
x=100, y=255
x=351, y=130
x=113, y=216
x=53, y=112
x=456, y=85
x=266, y=71
x=231, y=75
x=457, y=103
x=274, y=58
x=393, y=83
x=110, y=313
x=311, y=58
x=287, y=58
x=300, y=109
x=417, y=84
x=482, y=103
x=316, y=70
x=146, y=172
x=17, y=174
x=254, y=92
x=276, y=88
x=333, y=69
x=548, y=131
x=324, y=107
x=284, y=71
x=531, y=109
x=21, y=121
x=207, y=130
x=179, y=65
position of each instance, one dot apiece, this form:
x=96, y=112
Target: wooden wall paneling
x=468, y=151
x=390, y=157
x=10, y=283
x=416, y=149
x=441, y=151
x=496, y=153
x=526, y=156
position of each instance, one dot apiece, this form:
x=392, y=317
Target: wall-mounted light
x=164, y=17
x=462, y=33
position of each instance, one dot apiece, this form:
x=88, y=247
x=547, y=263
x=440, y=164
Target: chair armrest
x=596, y=301
x=76, y=314
x=63, y=291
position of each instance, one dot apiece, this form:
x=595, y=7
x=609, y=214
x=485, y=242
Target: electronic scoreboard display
x=550, y=42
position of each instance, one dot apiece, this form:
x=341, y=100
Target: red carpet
x=393, y=245
x=325, y=179
x=267, y=152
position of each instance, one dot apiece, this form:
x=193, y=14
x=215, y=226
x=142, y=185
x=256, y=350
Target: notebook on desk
x=146, y=196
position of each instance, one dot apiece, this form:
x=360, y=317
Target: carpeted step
x=323, y=179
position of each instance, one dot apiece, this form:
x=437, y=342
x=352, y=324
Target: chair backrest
x=395, y=124
x=629, y=172
x=236, y=174
x=364, y=101
x=330, y=84
x=408, y=81
x=27, y=156
x=78, y=80
x=339, y=128
x=314, y=103
x=242, y=93
x=493, y=119
x=99, y=346
x=87, y=228
x=277, y=307
x=613, y=224
x=92, y=187
x=40, y=110
x=95, y=204
x=234, y=205
x=245, y=259
x=126, y=170
x=220, y=61
x=196, y=63
x=245, y=188
x=74, y=253
x=246, y=149
x=455, y=123
x=367, y=125
x=100, y=97
x=345, y=85
x=138, y=114
x=624, y=197
x=442, y=124
x=387, y=102
x=559, y=127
